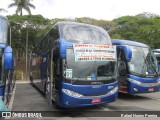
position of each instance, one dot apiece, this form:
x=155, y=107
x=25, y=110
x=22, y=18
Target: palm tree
x=22, y=4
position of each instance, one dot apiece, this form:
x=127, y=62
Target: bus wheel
x=31, y=79
x=54, y=103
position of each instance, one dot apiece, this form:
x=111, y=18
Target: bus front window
x=157, y=57
x=79, y=33
x=83, y=70
x=143, y=61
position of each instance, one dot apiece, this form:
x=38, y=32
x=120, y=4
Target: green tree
x=107, y=25
x=37, y=27
x=142, y=28
x=22, y=4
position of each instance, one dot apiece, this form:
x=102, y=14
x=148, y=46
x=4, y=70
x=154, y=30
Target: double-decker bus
x=74, y=65
x=6, y=63
x=157, y=54
x=137, y=66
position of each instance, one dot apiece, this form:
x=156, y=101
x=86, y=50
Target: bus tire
x=31, y=79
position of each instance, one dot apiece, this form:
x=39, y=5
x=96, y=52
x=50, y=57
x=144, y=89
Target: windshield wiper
x=150, y=63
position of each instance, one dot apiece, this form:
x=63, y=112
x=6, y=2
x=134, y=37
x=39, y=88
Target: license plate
x=151, y=89
x=97, y=100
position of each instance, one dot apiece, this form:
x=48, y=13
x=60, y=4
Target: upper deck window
x=82, y=33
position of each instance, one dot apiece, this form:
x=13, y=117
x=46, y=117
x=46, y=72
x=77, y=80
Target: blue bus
x=74, y=65
x=6, y=62
x=137, y=66
x=157, y=54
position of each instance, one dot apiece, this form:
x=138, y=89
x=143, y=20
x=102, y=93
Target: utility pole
x=27, y=51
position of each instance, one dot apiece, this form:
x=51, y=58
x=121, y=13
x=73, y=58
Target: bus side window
x=33, y=58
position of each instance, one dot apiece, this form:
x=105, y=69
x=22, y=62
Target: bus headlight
x=134, y=81
x=71, y=93
x=113, y=91
x=158, y=81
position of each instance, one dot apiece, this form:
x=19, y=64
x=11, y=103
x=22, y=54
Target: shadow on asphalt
x=79, y=110
x=124, y=96
x=34, y=100
x=57, y=108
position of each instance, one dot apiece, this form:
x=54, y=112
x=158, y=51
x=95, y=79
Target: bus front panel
x=142, y=85
x=86, y=95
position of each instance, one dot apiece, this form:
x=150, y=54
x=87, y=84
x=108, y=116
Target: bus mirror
x=8, y=58
x=128, y=54
x=127, y=51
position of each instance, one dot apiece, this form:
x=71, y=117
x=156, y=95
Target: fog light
x=66, y=102
x=135, y=89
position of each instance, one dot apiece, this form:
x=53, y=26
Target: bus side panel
x=34, y=68
x=38, y=71
x=2, y=89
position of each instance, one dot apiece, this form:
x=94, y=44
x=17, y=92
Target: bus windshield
x=103, y=70
x=88, y=34
x=143, y=61
x=157, y=57
x=3, y=30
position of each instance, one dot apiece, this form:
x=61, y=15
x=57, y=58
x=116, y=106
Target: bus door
x=49, y=77
x=122, y=69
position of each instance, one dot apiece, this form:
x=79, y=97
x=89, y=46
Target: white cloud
x=99, y=9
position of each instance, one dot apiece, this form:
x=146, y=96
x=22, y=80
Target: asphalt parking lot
x=27, y=98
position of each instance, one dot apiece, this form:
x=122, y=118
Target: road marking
x=147, y=96
x=104, y=108
x=21, y=81
x=154, y=98
x=27, y=81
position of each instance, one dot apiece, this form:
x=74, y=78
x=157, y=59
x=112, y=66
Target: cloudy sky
x=98, y=9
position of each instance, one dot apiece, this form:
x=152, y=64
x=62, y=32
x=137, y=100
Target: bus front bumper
x=135, y=87
x=67, y=101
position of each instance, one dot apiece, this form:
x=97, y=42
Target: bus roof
x=3, y=17
x=72, y=23
x=127, y=42
x=83, y=33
